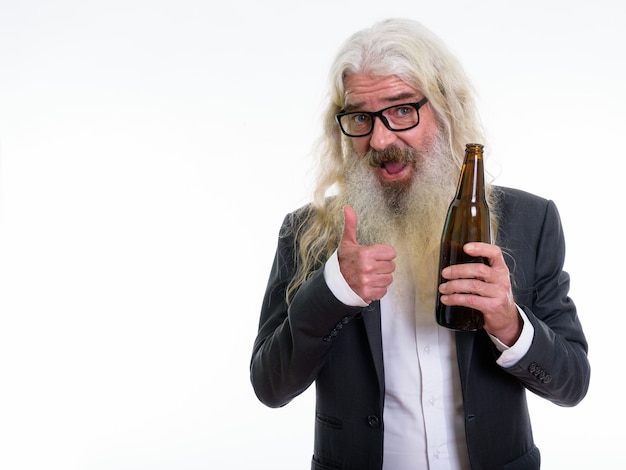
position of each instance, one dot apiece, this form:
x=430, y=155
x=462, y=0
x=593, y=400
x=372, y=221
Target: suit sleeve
x=556, y=366
x=293, y=340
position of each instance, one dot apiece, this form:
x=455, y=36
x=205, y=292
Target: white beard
x=409, y=217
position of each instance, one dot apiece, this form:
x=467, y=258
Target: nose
x=381, y=137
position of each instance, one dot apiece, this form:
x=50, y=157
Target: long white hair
x=410, y=51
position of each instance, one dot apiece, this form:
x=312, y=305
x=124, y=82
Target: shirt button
x=427, y=349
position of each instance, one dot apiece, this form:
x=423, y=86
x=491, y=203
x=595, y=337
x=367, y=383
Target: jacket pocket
x=324, y=464
x=329, y=421
x=531, y=460
x=328, y=440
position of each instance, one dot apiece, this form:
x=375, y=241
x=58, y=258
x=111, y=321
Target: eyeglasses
x=400, y=117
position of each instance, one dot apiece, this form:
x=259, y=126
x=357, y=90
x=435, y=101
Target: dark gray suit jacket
x=319, y=339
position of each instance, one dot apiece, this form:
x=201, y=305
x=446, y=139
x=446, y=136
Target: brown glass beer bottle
x=467, y=221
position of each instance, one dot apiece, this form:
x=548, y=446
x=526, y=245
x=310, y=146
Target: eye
x=402, y=111
x=360, y=119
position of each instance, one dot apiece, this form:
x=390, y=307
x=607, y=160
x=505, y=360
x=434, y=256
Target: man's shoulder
x=298, y=218
x=300, y=214
x=520, y=211
x=515, y=193
x=507, y=198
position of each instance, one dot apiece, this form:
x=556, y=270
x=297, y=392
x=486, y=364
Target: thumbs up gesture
x=368, y=270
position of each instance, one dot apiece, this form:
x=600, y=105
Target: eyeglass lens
x=397, y=118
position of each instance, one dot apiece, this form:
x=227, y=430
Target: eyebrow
x=392, y=99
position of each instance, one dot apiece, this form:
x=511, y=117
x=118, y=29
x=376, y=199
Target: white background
x=148, y=153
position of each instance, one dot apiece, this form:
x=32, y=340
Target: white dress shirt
x=423, y=410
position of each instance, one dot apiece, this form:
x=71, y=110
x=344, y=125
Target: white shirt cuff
x=338, y=285
x=511, y=354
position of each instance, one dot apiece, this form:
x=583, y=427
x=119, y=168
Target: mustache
x=392, y=154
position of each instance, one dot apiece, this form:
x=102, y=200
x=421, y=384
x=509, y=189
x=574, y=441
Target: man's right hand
x=368, y=270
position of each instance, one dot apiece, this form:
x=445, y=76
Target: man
x=350, y=299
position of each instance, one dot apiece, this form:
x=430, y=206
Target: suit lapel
x=464, y=348
x=371, y=320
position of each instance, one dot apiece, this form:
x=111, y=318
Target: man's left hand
x=486, y=288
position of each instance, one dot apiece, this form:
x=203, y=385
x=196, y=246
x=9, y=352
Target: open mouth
x=393, y=163
x=393, y=168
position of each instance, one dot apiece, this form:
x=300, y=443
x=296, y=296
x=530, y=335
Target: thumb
x=349, y=226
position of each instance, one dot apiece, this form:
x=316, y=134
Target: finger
x=386, y=266
x=473, y=287
x=466, y=271
x=349, y=226
x=384, y=253
x=373, y=294
x=492, y=253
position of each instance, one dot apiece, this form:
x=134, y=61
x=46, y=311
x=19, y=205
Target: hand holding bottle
x=486, y=288
x=368, y=270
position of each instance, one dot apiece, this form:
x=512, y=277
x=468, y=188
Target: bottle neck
x=472, y=179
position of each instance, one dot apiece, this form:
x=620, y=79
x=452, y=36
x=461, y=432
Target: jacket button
x=373, y=421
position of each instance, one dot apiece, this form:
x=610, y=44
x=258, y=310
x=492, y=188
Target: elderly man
x=350, y=299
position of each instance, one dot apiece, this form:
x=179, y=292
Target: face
x=370, y=93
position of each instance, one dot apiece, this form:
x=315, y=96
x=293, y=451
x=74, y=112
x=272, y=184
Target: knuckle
x=483, y=269
x=477, y=286
x=472, y=301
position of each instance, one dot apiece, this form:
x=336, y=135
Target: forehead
x=362, y=90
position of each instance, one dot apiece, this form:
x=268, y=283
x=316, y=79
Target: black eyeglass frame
x=383, y=119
